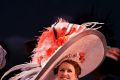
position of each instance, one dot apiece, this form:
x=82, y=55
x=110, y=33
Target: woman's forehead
x=66, y=64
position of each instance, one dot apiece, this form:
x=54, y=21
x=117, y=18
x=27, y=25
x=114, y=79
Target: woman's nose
x=65, y=72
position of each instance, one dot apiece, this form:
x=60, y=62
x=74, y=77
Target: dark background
x=20, y=21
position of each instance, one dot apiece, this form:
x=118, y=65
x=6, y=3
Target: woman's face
x=66, y=71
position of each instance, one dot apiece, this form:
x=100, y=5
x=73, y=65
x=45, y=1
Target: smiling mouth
x=65, y=78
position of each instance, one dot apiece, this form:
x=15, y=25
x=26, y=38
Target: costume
x=61, y=41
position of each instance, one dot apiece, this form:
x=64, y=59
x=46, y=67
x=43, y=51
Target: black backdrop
x=20, y=21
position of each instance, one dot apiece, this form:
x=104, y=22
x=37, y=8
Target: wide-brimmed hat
x=61, y=41
x=87, y=49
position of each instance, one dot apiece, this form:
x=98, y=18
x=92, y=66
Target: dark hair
x=75, y=64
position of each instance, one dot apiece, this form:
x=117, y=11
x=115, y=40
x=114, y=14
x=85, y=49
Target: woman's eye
x=69, y=70
x=62, y=70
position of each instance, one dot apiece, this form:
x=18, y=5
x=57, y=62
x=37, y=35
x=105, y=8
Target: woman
x=79, y=43
x=67, y=70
